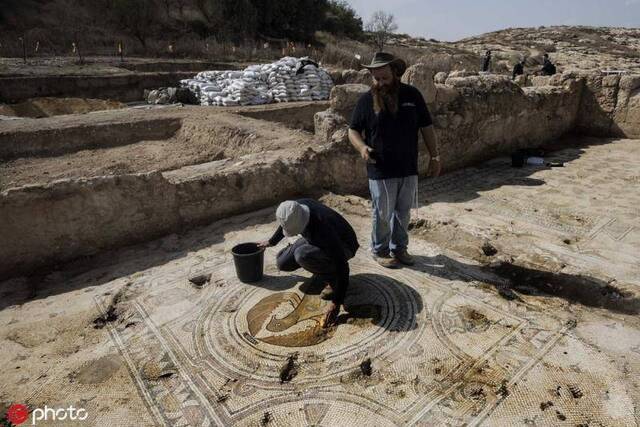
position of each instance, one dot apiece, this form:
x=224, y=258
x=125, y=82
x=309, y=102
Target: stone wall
x=40, y=140
x=298, y=115
x=42, y=225
x=475, y=117
x=480, y=117
x=610, y=106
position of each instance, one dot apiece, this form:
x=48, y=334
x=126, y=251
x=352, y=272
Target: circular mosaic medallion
x=252, y=328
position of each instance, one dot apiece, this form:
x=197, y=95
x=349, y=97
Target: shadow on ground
x=512, y=280
x=469, y=183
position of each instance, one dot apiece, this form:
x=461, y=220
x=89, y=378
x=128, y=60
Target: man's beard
x=385, y=98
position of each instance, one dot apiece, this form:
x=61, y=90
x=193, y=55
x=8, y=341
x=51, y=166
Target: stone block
x=343, y=98
x=421, y=76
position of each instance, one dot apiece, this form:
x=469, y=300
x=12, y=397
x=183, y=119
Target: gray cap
x=293, y=217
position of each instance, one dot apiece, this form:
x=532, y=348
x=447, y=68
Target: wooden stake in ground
x=24, y=49
x=120, y=51
x=76, y=48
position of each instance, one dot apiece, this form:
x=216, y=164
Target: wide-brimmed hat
x=382, y=59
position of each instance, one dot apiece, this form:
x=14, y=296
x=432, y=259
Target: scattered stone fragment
x=478, y=394
x=575, y=392
x=546, y=405
x=200, y=280
x=365, y=367
x=488, y=249
x=111, y=315
x=266, y=418
x=289, y=369
x=419, y=223
x=503, y=390
x=507, y=293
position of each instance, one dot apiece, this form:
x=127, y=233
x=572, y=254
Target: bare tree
x=381, y=25
x=71, y=21
x=137, y=17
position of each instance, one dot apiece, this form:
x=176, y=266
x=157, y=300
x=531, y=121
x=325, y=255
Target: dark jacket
x=329, y=231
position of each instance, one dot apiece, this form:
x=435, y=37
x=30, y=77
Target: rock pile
x=170, y=95
x=570, y=47
x=288, y=79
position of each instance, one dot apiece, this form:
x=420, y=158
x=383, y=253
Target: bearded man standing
x=384, y=129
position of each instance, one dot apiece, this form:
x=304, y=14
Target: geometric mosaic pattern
x=442, y=352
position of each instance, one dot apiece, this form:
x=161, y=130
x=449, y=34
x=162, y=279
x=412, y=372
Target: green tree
x=342, y=20
x=290, y=19
x=240, y=19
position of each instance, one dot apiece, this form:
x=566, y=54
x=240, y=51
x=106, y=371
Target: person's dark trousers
x=314, y=260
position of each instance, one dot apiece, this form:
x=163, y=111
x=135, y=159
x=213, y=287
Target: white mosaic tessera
x=262, y=84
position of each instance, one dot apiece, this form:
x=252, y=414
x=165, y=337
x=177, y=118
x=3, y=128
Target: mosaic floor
x=440, y=351
x=133, y=341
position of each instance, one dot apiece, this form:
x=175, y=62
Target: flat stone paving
x=126, y=335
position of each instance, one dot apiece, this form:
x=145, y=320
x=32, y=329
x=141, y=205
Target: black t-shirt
x=394, y=139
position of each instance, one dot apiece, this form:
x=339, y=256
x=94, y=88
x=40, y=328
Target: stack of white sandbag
x=262, y=84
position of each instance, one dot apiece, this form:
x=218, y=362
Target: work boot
x=404, y=258
x=327, y=293
x=386, y=261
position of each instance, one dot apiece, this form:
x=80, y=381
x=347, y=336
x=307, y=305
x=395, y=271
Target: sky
x=451, y=20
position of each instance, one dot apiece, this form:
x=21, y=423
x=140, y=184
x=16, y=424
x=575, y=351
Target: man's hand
x=330, y=315
x=435, y=167
x=365, y=153
x=263, y=245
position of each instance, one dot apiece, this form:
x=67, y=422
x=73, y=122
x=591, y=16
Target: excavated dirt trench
x=122, y=148
x=48, y=107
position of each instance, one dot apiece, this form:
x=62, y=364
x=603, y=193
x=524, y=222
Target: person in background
x=518, y=69
x=486, y=63
x=548, y=69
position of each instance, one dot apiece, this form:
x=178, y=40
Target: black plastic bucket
x=249, y=261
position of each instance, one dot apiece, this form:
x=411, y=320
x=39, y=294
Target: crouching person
x=327, y=242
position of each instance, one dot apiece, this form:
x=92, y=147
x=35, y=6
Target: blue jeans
x=392, y=200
